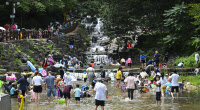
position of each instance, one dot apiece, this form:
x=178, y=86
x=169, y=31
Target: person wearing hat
x=23, y=83
x=143, y=60
x=101, y=94
x=85, y=76
x=67, y=79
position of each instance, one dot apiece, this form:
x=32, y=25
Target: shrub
x=17, y=62
x=189, y=61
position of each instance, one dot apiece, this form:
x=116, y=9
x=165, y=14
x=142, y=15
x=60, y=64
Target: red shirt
x=67, y=89
x=6, y=26
x=129, y=45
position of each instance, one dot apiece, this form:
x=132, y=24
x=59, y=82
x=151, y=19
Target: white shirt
x=163, y=81
x=90, y=70
x=158, y=87
x=180, y=64
x=175, y=78
x=100, y=89
x=197, y=57
x=67, y=80
x=143, y=74
x=36, y=80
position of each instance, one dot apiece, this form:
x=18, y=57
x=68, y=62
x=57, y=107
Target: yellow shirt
x=21, y=102
x=85, y=76
x=119, y=75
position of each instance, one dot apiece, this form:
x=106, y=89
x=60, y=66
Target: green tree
x=179, y=28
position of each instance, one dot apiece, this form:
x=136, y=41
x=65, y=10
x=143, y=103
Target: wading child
x=85, y=76
x=59, y=92
x=21, y=100
x=158, y=90
x=77, y=92
x=196, y=71
x=32, y=94
x=123, y=87
x=94, y=82
x=85, y=92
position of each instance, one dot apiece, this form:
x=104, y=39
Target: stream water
x=142, y=101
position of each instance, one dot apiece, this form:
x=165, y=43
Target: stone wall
x=5, y=102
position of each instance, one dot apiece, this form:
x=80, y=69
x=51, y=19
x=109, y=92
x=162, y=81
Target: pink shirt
x=129, y=60
x=32, y=94
x=13, y=27
x=130, y=82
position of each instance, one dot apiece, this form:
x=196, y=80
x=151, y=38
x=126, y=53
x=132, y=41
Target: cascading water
x=96, y=52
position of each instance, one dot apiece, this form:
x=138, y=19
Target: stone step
x=3, y=71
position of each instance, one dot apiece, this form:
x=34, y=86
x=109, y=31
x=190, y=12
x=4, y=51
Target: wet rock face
x=24, y=67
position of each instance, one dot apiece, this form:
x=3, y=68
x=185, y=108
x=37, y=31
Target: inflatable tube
x=50, y=61
x=30, y=73
x=31, y=66
x=60, y=101
x=58, y=65
x=44, y=73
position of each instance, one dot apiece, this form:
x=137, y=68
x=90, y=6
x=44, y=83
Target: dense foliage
x=175, y=23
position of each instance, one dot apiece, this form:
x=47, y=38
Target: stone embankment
x=13, y=55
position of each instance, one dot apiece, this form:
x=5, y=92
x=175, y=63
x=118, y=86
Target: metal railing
x=32, y=34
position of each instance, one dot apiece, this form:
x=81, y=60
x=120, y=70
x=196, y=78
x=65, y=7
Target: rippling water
x=142, y=101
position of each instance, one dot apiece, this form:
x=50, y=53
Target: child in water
x=21, y=100
x=59, y=92
x=77, y=93
x=123, y=87
x=158, y=90
x=32, y=94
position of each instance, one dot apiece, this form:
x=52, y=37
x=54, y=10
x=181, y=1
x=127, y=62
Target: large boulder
x=24, y=67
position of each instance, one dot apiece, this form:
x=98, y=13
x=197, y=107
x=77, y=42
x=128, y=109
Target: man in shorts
x=175, y=85
x=101, y=94
x=50, y=80
x=143, y=60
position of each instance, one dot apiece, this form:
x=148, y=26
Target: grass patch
x=189, y=61
x=33, y=61
x=192, y=79
x=29, y=52
x=17, y=62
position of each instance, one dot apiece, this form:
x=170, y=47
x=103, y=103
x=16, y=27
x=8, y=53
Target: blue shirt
x=103, y=74
x=23, y=83
x=149, y=62
x=157, y=55
x=77, y=92
x=50, y=81
x=95, y=80
x=12, y=91
x=142, y=57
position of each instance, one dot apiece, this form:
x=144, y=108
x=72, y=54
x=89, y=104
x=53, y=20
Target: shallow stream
x=188, y=100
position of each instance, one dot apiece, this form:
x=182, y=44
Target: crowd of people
x=161, y=83
x=61, y=85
